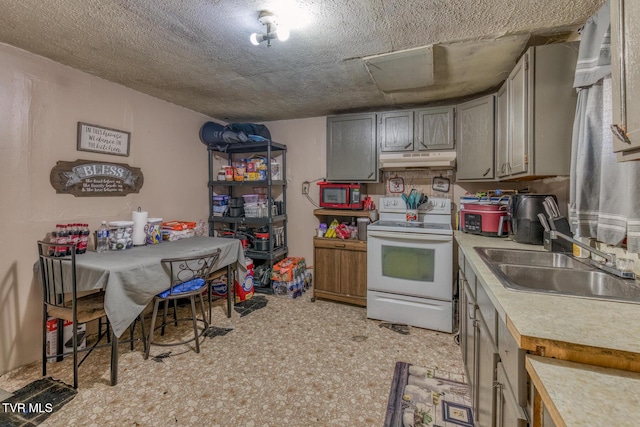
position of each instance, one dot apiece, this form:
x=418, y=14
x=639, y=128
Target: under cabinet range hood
x=430, y=159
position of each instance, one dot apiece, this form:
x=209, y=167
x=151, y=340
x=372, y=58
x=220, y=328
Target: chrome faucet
x=609, y=265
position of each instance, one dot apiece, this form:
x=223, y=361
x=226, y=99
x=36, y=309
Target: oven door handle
x=410, y=236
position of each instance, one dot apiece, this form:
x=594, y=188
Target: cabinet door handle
x=371, y=174
x=472, y=312
x=620, y=133
x=499, y=404
x=340, y=246
x=502, y=168
x=408, y=145
x=486, y=172
x=422, y=143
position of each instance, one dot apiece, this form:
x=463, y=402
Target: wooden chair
x=188, y=279
x=58, y=278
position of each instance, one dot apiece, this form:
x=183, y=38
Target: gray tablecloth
x=132, y=277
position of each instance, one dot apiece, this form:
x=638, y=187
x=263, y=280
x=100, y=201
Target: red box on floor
x=67, y=334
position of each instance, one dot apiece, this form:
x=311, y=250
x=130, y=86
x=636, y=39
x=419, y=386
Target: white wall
x=40, y=104
x=306, y=141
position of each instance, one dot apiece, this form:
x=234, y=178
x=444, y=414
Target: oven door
x=413, y=264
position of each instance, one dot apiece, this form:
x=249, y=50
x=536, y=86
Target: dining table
x=131, y=278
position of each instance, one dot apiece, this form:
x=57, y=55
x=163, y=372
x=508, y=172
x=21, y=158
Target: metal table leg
x=229, y=288
x=114, y=358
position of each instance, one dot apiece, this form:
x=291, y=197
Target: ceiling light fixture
x=275, y=29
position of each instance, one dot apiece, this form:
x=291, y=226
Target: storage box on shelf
x=251, y=197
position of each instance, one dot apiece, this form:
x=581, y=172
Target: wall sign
x=103, y=140
x=88, y=178
x=396, y=185
x=441, y=184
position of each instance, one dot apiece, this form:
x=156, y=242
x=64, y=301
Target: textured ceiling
x=197, y=53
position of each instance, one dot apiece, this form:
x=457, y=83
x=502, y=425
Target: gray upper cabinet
x=395, y=131
x=416, y=130
x=434, y=128
x=534, y=127
x=625, y=58
x=475, y=137
x=352, y=155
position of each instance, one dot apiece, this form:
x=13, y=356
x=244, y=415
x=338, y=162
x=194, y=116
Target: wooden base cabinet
x=340, y=270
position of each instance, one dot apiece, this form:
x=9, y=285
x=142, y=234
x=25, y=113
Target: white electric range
x=410, y=265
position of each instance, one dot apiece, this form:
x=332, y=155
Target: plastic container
x=363, y=223
x=121, y=235
x=228, y=173
x=250, y=198
x=252, y=210
x=154, y=231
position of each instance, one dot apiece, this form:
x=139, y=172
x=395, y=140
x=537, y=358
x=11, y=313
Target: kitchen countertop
x=582, y=395
x=583, y=330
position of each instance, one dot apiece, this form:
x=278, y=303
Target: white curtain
x=604, y=194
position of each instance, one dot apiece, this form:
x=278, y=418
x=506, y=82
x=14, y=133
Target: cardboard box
x=52, y=337
x=288, y=269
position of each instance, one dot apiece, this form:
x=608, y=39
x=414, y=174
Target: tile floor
x=291, y=363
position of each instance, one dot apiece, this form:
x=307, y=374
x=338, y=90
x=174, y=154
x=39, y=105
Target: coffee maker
x=523, y=216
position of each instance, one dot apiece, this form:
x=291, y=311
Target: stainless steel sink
x=558, y=274
x=534, y=258
x=580, y=283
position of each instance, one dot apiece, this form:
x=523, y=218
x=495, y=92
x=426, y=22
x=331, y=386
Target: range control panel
x=434, y=205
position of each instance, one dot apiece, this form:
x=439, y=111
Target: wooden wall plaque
x=89, y=178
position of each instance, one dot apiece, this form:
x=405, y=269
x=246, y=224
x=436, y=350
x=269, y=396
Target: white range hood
x=427, y=159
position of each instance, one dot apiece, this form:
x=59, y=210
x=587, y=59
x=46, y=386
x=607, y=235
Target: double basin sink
x=556, y=273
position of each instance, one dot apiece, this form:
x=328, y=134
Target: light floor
x=292, y=363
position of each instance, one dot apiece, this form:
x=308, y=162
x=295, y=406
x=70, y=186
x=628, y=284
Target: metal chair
x=58, y=278
x=188, y=280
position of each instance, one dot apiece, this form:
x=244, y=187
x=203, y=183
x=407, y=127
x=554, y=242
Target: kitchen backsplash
x=420, y=179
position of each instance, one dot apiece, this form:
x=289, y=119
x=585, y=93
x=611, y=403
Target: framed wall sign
x=99, y=139
x=396, y=185
x=440, y=184
x=89, y=178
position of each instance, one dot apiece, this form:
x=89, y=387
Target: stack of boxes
x=290, y=277
x=67, y=335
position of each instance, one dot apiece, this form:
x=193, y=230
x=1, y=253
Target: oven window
x=415, y=264
x=334, y=195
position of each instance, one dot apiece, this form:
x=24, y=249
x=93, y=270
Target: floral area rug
x=428, y=397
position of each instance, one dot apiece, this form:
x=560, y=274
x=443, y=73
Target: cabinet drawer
x=354, y=245
x=488, y=312
x=513, y=360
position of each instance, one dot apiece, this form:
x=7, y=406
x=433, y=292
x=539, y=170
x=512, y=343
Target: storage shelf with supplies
x=272, y=220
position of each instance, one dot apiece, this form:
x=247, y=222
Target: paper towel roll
x=139, y=222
